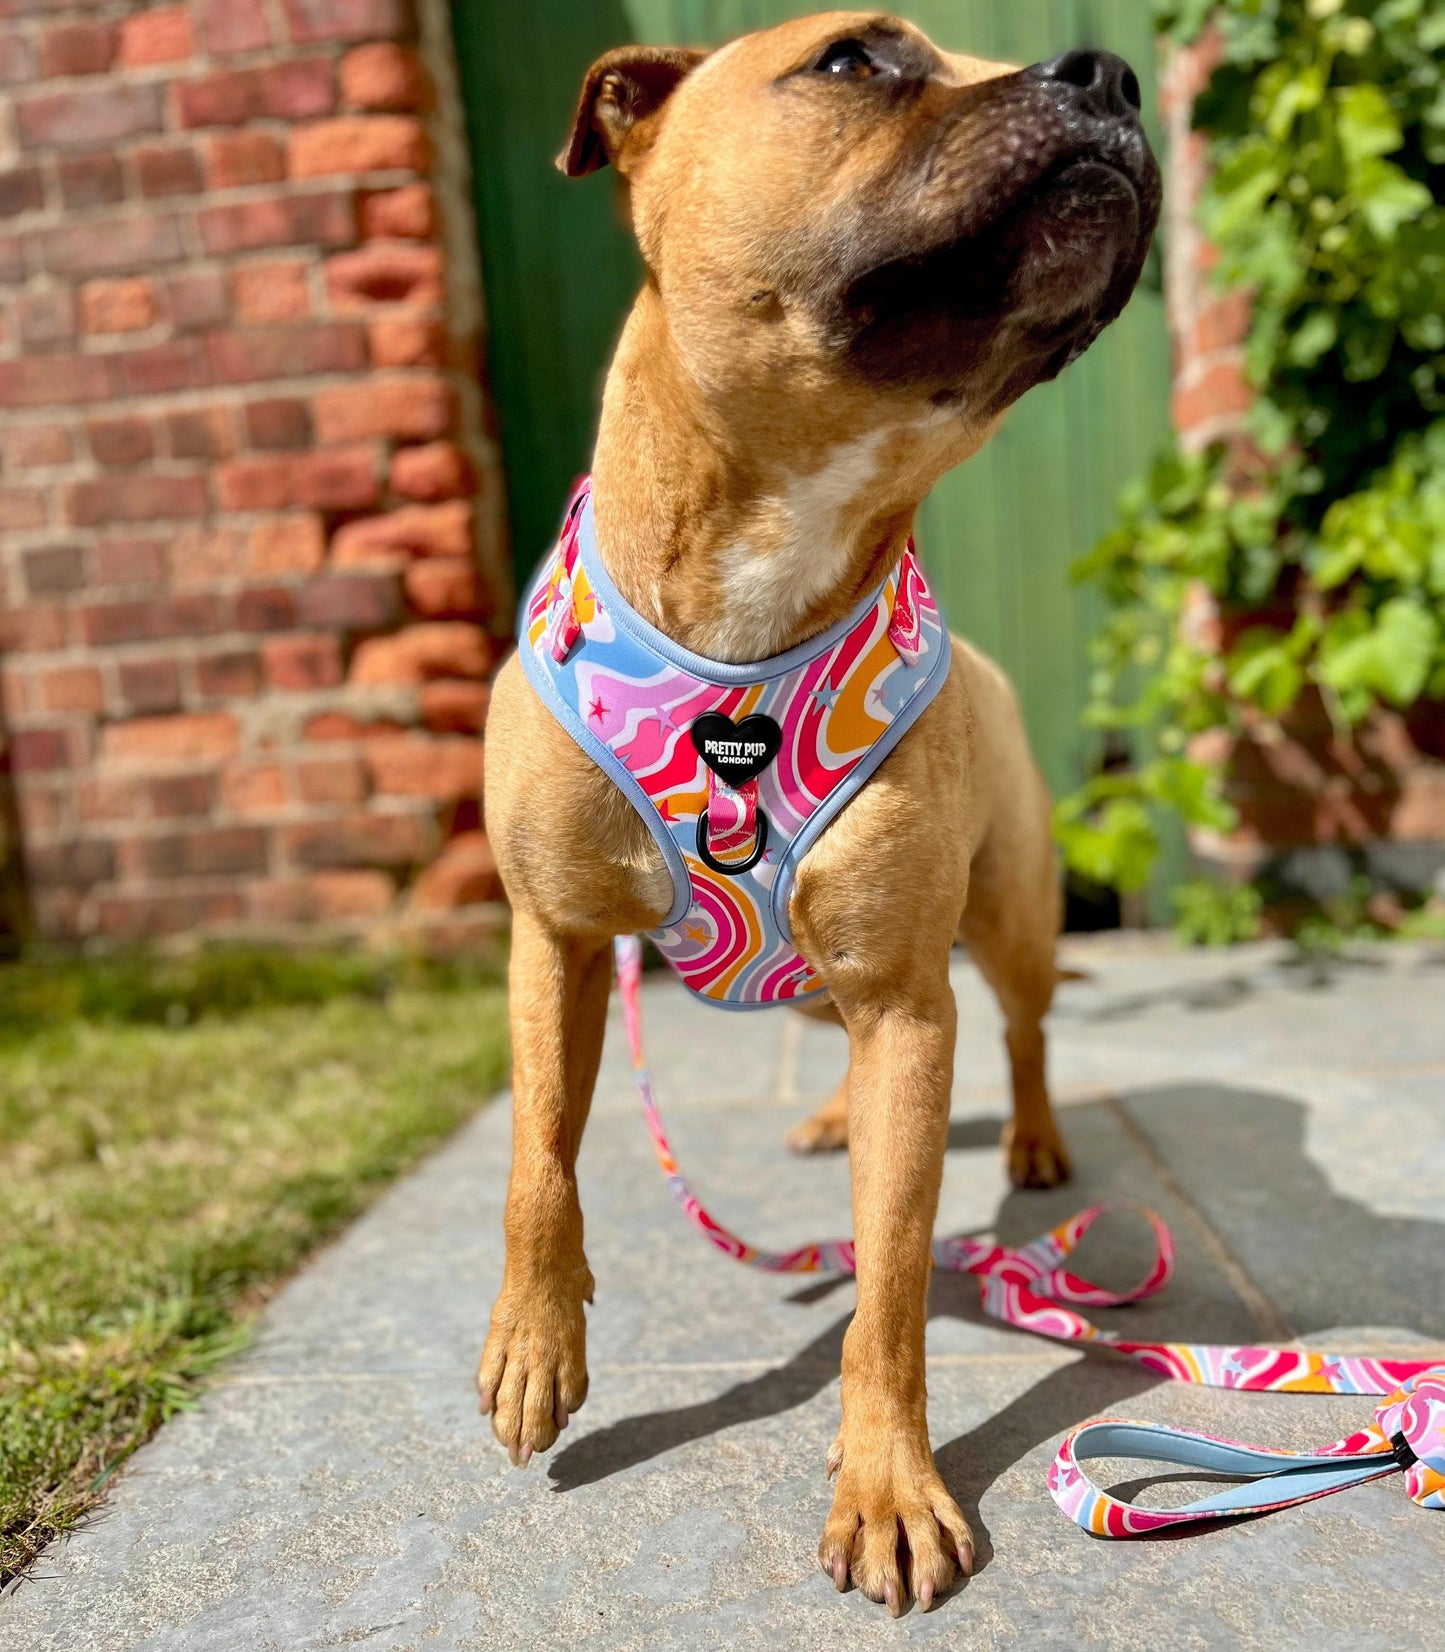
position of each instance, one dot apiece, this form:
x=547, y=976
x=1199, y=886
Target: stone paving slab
x=338, y=1488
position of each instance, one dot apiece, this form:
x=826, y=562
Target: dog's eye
x=848, y=60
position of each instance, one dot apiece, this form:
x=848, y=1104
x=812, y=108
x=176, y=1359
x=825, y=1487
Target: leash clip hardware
x=732, y=869
x=1402, y=1451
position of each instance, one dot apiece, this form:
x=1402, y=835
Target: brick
x=358, y=143
x=169, y=169
x=113, y=247
x=271, y=292
x=412, y=531
x=41, y=808
x=54, y=568
x=100, y=114
x=146, y=619
x=293, y=544
x=446, y=587
x=331, y=780
x=200, y=433
x=350, y=603
x=309, y=21
x=197, y=852
x=1420, y=814
x=17, y=67
x=437, y=471
x=420, y=653
x=302, y=663
x=12, y=261
x=286, y=352
x=89, y=180
x=179, y=364
x=120, y=444
x=37, y=446
x=127, y=562
x=409, y=409
x=45, y=317
x=335, y=479
x=74, y=863
x=21, y=190
x=151, y=685
x=253, y=789
x=227, y=27
x=363, y=840
x=190, y=737
x=206, y=556
x=197, y=298
x=174, y=796
x=280, y=422
x=297, y=90
x=407, y=341
x=38, y=628
x=232, y=675
x=36, y=750
x=235, y=159
x=21, y=509
x=76, y=49
x=136, y=917
x=407, y=214
x=338, y=896
x=455, y=708
x=55, y=380
x=136, y=499
x=326, y=220
x=464, y=874
x=338, y=725
x=1219, y=394
x=385, y=273
x=117, y=306
x=1222, y=323
x=161, y=35
x=266, y=608
x=383, y=77
x=72, y=688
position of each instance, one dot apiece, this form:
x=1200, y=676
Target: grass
x=175, y=1136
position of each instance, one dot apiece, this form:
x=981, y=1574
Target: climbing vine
x=1326, y=201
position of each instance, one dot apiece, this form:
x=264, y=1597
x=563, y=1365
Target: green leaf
x=1365, y=123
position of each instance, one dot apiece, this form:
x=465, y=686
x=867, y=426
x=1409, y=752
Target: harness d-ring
x=731, y=869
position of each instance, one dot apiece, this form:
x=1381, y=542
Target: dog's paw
x=1036, y=1158
x=533, y=1373
x=893, y=1528
x=822, y=1132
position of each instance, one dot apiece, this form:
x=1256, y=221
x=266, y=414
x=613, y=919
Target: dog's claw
x=965, y=1559
x=891, y=1597
x=925, y=1594
x=840, y=1572
x=486, y=1400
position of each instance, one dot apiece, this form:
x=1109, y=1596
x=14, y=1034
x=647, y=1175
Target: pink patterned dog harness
x=734, y=769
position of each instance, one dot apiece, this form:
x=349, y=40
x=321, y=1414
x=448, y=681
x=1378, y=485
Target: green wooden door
x=998, y=534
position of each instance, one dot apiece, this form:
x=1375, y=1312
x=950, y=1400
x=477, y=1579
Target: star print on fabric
x=825, y=694
x=893, y=693
x=596, y=709
x=1329, y=1371
x=1234, y=1367
x=667, y=720
x=697, y=932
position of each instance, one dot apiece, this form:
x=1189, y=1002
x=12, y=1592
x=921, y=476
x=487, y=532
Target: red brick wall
x=250, y=548
x=1298, y=784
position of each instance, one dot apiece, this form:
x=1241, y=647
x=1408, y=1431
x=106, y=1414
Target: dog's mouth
x=1039, y=258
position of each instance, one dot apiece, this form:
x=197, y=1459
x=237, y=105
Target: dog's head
x=838, y=204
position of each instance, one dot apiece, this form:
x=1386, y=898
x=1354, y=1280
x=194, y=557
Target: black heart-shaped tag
x=735, y=752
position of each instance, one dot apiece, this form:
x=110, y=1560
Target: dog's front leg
x=889, y=1494
x=533, y=1372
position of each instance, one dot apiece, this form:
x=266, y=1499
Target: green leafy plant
x=1326, y=126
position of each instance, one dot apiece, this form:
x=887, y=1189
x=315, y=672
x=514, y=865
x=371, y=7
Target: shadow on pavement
x=1324, y=1260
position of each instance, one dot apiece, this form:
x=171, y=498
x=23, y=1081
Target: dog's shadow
x=1334, y=1263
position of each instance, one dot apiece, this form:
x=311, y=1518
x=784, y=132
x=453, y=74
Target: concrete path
x=338, y=1488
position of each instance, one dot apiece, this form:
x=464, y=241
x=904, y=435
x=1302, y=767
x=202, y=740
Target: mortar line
x=1269, y=1321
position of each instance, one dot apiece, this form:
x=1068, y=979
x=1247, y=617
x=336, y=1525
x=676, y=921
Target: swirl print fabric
x=629, y=696
x=1030, y=1288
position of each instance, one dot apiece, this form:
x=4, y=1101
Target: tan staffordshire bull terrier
x=860, y=250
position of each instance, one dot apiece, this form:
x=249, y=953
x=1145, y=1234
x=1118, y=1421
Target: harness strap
x=1029, y=1288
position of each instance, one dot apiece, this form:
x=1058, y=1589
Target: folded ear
x=624, y=89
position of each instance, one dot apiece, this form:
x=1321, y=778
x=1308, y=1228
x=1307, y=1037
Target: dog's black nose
x=1107, y=86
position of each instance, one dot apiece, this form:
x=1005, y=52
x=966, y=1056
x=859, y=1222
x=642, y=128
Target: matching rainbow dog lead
x=1031, y=1289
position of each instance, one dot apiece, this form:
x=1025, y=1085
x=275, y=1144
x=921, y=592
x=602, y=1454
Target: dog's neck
x=732, y=533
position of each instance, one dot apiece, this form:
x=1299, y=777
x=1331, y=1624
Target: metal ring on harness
x=731, y=869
